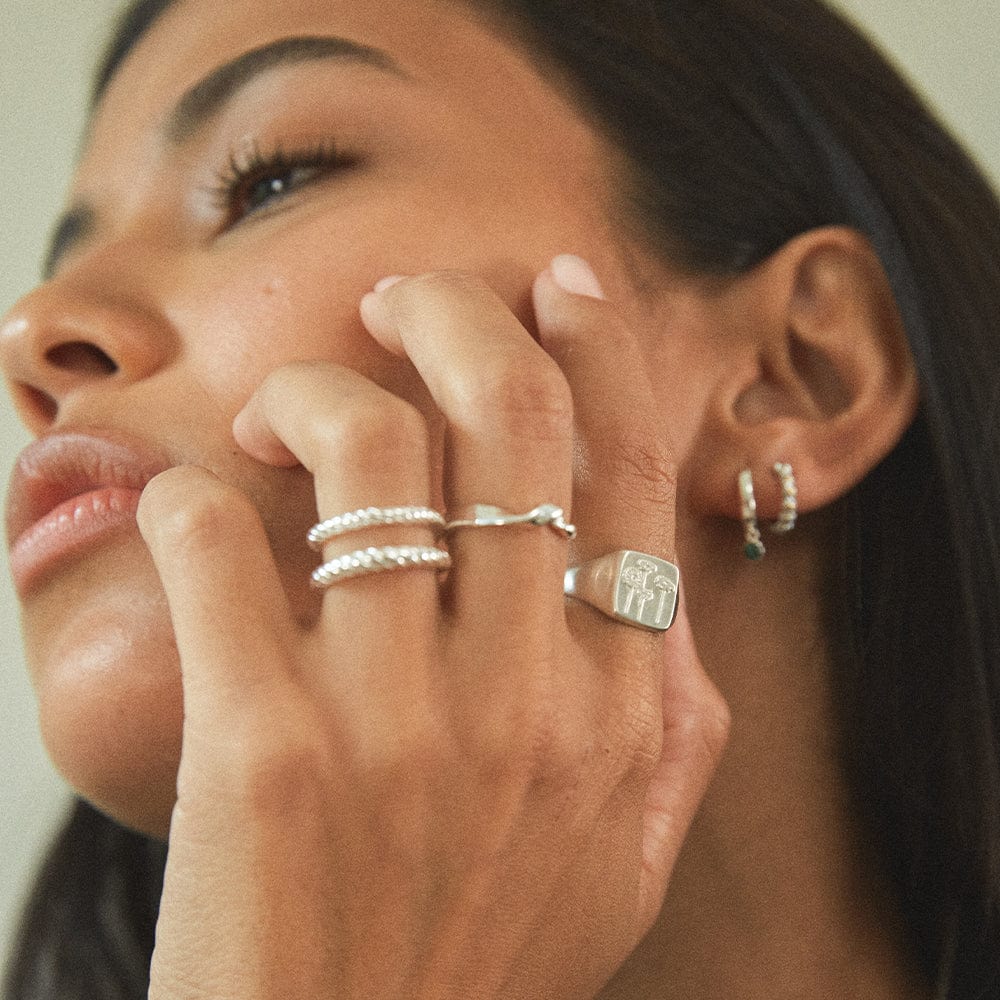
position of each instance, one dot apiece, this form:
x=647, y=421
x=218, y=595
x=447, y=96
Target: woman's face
x=252, y=170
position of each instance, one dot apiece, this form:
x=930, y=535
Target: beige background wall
x=46, y=49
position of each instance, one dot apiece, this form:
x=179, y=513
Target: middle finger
x=509, y=435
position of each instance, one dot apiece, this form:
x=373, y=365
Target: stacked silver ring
x=371, y=517
x=377, y=559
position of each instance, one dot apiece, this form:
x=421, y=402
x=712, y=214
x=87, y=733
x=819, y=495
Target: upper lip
x=64, y=465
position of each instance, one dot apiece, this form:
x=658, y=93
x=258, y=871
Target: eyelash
x=234, y=187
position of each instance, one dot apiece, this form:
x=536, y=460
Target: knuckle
x=393, y=758
x=195, y=519
x=551, y=751
x=718, y=724
x=385, y=430
x=532, y=401
x=699, y=732
x=564, y=753
x=279, y=774
x=644, y=471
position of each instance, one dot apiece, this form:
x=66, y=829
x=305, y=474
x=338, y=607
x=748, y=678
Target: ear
x=817, y=373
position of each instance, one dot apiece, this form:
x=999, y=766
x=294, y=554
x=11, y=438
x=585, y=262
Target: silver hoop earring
x=789, y=499
x=753, y=544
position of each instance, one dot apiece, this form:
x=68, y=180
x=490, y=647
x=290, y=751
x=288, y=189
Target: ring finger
x=625, y=486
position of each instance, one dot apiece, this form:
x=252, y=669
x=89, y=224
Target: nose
x=75, y=336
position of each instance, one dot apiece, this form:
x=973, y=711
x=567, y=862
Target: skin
x=529, y=789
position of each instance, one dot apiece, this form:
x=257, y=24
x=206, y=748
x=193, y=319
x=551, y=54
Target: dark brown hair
x=744, y=123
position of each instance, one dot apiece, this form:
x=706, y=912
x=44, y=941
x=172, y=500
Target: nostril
x=81, y=358
x=34, y=404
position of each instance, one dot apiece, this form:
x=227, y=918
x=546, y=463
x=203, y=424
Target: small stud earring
x=753, y=545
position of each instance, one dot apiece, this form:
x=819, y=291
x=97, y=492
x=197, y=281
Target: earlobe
x=821, y=377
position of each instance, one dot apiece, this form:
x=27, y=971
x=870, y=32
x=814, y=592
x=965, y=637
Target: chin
x=107, y=676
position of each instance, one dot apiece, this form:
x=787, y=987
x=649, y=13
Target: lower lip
x=72, y=527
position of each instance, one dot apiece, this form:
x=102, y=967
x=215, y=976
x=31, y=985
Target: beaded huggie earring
x=789, y=499
x=753, y=545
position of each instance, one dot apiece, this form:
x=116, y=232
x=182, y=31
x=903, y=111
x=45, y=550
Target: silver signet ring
x=631, y=587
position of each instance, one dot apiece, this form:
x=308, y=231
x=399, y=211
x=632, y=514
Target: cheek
x=268, y=301
x=289, y=288
x=106, y=673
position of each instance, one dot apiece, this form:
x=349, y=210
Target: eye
x=253, y=180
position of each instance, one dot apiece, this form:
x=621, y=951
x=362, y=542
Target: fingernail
x=573, y=274
x=384, y=283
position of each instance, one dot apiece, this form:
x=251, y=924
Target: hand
x=473, y=788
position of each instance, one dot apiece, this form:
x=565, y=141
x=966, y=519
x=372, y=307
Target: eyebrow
x=206, y=99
